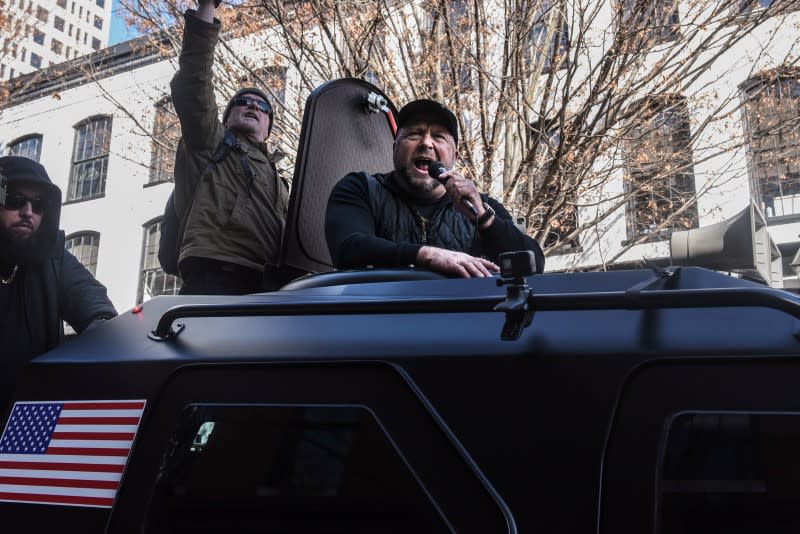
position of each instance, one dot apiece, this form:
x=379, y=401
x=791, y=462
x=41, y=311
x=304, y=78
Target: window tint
x=286, y=469
x=731, y=472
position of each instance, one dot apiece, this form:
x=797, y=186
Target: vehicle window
x=233, y=468
x=731, y=472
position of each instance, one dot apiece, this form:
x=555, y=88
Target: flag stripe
x=53, y=459
x=57, y=499
x=60, y=482
x=90, y=443
x=93, y=435
x=79, y=451
x=55, y=473
x=50, y=490
x=95, y=414
x=98, y=420
x=135, y=405
x=131, y=429
x=62, y=466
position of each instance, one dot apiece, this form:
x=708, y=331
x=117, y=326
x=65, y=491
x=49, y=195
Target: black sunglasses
x=16, y=201
x=247, y=102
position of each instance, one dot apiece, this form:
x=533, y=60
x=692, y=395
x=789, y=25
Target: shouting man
x=420, y=215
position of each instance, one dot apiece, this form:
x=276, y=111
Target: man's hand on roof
x=454, y=263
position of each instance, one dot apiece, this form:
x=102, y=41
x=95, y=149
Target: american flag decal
x=67, y=453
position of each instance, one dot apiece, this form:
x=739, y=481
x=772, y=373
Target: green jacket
x=232, y=219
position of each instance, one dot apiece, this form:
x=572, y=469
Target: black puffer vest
x=397, y=219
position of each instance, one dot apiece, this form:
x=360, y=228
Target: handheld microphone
x=435, y=170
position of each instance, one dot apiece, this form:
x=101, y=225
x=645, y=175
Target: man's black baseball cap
x=429, y=109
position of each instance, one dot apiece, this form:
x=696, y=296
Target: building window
x=56, y=46
x=61, y=3
x=84, y=247
x=95, y=43
x=650, y=22
x=98, y=22
x=549, y=36
x=660, y=181
x=166, y=133
x=77, y=35
x=90, y=159
x=29, y=146
x=546, y=200
x=154, y=280
x=100, y=3
x=42, y=14
x=771, y=116
x=36, y=60
x=58, y=23
x=743, y=7
x=38, y=37
x=2, y=70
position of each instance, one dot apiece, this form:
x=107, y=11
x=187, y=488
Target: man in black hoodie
x=41, y=284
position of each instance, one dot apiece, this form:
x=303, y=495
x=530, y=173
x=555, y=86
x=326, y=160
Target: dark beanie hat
x=248, y=91
x=429, y=109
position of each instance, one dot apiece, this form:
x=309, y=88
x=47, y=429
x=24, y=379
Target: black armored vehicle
x=661, y=400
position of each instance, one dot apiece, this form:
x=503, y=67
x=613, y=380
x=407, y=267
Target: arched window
x=154, y=281
x=84, y=247
x=90, y=159
x=29, y=146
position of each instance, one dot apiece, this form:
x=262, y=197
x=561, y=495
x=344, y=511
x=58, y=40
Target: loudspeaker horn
x=740, y=244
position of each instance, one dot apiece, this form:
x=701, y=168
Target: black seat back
x=339, y=135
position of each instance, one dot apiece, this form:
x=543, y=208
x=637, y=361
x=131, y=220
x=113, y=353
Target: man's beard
x=21, y=250
x=416, y=184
